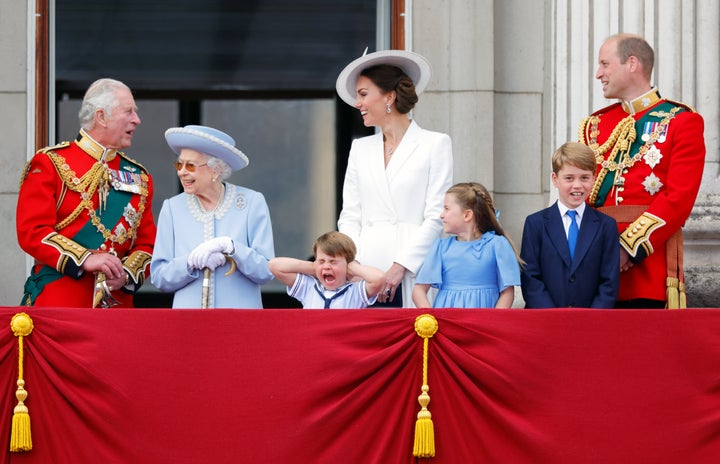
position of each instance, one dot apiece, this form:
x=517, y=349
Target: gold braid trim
x=620, y=140
x=68, y=249
x=24, y=173
x=86, y=186
x=638, y=233
x=135, y=265
x=42, y=150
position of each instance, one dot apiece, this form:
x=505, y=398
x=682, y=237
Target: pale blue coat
x=183, y=224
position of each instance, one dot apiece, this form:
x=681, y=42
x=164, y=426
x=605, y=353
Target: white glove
x=198, y=258
x=215, y=260
x=221, y=244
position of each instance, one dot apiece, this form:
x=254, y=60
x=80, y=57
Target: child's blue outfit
x=470, y=274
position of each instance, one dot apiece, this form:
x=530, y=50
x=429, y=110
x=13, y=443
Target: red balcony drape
x=304, y=386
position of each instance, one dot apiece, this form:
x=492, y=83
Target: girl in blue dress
x=477, y=266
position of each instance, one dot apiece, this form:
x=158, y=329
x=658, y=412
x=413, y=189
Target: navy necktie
x=572, y=232
x=335, y=295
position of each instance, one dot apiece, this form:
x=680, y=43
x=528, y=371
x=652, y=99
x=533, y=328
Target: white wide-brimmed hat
x=209, y=141
x=412, y=64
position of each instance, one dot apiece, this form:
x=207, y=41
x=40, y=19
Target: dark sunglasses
x=188, y=165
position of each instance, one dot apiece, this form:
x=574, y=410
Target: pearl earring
x=387, y=108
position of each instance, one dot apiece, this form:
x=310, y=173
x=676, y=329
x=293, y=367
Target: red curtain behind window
x=302, y=386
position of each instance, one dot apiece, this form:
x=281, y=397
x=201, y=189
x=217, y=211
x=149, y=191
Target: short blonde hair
x=576, y=154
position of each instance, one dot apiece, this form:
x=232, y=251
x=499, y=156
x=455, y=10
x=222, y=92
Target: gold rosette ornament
x=426, y=326
x=20, y=438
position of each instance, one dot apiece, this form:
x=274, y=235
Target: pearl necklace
x=217, y=203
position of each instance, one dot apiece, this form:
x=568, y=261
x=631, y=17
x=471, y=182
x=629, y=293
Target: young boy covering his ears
x=334, y=280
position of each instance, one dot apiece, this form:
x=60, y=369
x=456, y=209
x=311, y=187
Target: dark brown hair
x=391, y=78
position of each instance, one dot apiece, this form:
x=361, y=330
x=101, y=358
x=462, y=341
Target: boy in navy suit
x=570, y=249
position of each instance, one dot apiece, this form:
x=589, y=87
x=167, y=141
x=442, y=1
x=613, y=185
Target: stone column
x=16, y=20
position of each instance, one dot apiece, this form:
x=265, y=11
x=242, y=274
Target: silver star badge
x=652, y=184
x=652, y=157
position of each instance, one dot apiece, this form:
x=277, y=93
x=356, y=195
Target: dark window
x=211, y=45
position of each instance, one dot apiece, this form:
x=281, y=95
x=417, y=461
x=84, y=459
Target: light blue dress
x=183, y=224
x=470, y=274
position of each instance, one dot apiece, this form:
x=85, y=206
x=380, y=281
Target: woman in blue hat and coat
x=214, y=240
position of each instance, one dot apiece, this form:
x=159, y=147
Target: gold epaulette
x=682, y=105
x=24, y=174
x=44, y=150
x=54, y=147
x=606, y=109
x=638, y=233
x=123, y=155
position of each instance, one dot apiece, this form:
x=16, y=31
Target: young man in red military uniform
x=650, y=154
x=84, y=210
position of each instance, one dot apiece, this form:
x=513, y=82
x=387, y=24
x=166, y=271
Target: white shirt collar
x=564, y=209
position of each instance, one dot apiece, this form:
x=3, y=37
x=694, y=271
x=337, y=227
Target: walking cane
x=206, y=289
x=205, y=303
x=102, y=296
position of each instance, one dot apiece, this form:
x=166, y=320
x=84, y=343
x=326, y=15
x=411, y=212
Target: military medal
x=652, y=157
x=648, y=129
x=125, y=181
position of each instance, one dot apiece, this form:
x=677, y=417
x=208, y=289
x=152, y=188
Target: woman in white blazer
x=396, y=180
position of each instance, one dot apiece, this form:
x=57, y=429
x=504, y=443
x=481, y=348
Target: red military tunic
x=650, y=155
x=71, y=205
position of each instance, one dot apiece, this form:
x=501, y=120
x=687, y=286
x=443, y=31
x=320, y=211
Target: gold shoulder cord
x=620, y=140
x=85, y=186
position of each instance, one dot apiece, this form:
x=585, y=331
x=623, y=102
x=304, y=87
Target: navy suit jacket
x=552, y=280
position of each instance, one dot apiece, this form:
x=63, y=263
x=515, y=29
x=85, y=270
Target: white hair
x=101, y=95
x=220, y=166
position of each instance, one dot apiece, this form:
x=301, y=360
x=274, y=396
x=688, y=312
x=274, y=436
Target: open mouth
x=328, y=280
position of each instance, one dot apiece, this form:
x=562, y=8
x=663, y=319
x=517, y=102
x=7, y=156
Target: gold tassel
x=672, y=293
x=426, y=326
x=683, y=295
x=21, y=438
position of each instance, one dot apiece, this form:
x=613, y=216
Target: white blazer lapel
x=376, y=165
x=404, y=151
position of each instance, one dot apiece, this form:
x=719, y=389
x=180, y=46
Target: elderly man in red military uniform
x=84, y=210
x=650, y=155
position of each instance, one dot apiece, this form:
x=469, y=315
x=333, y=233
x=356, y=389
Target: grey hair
x=101, y=95
x=220, y=167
